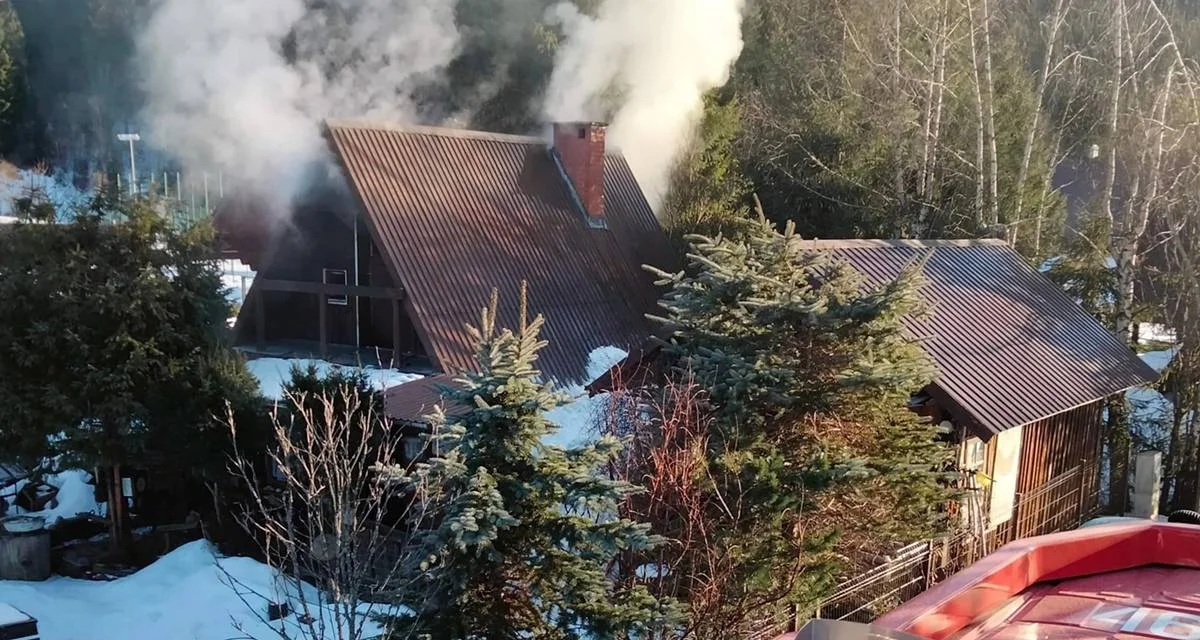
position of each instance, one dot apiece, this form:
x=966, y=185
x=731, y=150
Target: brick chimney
x=579, y=151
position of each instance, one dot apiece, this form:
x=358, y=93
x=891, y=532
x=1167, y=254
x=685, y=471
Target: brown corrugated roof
x=458, y=213
x=414, y=400
x=1010, y=346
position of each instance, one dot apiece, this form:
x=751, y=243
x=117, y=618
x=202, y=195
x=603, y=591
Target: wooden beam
x=397, y=349
x=324, y=301
x=319, y=288
x=260, y=321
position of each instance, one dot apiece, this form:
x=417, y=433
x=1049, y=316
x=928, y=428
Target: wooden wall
x=1058, y=444
x=1050, y=449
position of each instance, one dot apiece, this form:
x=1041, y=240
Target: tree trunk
x=118, y=515
x=994, y=165
x=980, y=169
x=1056, y=21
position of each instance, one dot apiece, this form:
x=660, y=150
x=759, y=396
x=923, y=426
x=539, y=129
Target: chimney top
x=578, y=148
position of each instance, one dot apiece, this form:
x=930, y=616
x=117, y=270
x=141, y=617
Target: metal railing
x=1063, y=503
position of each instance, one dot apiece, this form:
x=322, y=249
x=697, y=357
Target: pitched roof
x=458, y=213
x=413, y=401
x=1010, y=346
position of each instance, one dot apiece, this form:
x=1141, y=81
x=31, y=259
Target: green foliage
x=808, y=373
x=848, y=139
x=708, y=190
x=113, y=344
x=12, y=77
x=1086, y=271
x=332, y=399
x=528, y=537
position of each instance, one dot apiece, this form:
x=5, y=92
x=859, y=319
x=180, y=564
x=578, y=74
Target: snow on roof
x=576, y=421
x=274, y=373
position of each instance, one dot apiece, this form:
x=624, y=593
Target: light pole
x=131, y=138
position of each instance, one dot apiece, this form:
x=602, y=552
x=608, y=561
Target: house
x=1023, y=373
x=430, y=221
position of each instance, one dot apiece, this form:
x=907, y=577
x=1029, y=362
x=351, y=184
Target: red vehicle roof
x=1119, y=581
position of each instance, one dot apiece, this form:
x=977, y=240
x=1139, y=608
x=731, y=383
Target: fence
x=1064, y=503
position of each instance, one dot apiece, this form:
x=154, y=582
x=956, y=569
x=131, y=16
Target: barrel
x=24, y=550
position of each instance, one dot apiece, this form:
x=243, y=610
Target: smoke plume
x=644, y=65
x=241, y=87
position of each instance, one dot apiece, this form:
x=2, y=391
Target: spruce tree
x=807, y=373
x=529, y=543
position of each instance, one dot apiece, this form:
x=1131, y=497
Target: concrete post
x=1147, y=483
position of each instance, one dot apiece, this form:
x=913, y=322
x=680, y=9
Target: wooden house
x=429, y=222
x=1023, y=374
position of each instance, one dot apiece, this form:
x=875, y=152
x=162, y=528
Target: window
x=338, y=277
x=414, y=447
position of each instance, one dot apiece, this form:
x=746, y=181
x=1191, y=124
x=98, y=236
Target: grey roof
x=1010, y=346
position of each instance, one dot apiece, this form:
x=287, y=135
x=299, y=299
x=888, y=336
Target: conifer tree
x=529, y=542
x=114, y=350
x=811, y=447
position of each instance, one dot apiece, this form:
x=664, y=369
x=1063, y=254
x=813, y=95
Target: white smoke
x=223, y=94
x=646, y=64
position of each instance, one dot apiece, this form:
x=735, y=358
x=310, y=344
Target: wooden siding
x=319, y=239
x=1058, y=444
x=1051, y=450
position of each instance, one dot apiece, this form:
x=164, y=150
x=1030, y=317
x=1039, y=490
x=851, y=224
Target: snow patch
x=576, y=421
x=236, y=277
x=1151, y=411
x=75, y=496
x=22, y=183
x=189, y=593
x=1155, y=333
x=274, y=373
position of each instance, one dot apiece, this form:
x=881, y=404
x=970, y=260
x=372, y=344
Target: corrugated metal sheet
x=460, y=213
x=414, y=400
x=1011, y=347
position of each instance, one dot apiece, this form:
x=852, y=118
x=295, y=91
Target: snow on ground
x=75, y=496
x=274, y=373
x=1151, y=410
x=188, y=594
x=19, y=183
x=237, y=277
x=1155, y=333
x=576, y=421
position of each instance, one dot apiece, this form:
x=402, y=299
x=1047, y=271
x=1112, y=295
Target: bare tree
x=336, y=532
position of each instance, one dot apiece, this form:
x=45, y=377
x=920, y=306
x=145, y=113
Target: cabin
x=391, y=267
x=1023, y=376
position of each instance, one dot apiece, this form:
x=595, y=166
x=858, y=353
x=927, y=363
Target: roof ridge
x=868, y=243
x=445, y=132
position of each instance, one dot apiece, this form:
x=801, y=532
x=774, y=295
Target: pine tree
x=528, y=543
x=812, y=449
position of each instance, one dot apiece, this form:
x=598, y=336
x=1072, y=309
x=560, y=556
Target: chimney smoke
x=643, y=66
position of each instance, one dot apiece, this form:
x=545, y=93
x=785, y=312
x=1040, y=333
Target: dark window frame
x=340, y=301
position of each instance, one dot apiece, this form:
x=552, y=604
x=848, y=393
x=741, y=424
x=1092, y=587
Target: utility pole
x=131, y=138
